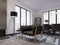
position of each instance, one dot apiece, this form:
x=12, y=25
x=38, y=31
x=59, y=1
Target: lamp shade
x=13, y=13
x=46, y=21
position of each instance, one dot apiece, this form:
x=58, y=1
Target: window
x=28, y=18
x=23, y=16
x=52, y=16
x=45, y=17
x=58, y=16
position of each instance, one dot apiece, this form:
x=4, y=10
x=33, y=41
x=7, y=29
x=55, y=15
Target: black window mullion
x=30, y=18
x=48, y=17
x=20, y=16
x=56, y=16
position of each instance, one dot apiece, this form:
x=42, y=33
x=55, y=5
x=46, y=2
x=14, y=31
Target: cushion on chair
x=30, y=30
x=26, y=28
x=28, y=33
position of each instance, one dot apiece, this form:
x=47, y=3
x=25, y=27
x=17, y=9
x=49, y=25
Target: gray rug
x=16, y=41
x=12, y=41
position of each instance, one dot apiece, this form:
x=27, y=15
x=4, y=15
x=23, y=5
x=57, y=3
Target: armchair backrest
x=56, y=27
x=24, y=28
x=38, y=29
x=46, y=26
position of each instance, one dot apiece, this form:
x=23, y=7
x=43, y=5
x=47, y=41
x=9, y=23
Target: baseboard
x=12, y=34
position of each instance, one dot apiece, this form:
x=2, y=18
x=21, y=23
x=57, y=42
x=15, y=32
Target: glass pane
x=31, y=18
x=58, y=16
x=28, y=18
x=23, y=16
x=45, y=17
x=52, y=17
x=17, y=19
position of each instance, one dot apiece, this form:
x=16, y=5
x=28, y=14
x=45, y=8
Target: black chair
x=31, y=30
x=56, y=28
x=46, y=28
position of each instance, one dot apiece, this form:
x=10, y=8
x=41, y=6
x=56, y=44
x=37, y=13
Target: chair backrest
x=56, y=27
x=46, y=26
x=38, y=29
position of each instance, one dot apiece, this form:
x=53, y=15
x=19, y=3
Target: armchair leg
x=21, y=35
x=41, y=34
x=34, y=38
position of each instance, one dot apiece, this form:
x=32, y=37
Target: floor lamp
x=13, y=14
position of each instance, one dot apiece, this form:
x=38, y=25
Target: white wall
x=11, y=7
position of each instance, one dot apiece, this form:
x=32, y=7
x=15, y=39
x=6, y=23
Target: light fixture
x=13, y=14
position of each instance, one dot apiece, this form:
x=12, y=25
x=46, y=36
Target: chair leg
x=41, y=34
x=34, y=38
x=35, y=35
x=21, y=35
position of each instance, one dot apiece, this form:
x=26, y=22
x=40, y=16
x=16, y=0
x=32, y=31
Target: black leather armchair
x=31, y=30
x=46, y=28
x=56, y=28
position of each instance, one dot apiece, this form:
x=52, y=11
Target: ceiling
x=40, y=4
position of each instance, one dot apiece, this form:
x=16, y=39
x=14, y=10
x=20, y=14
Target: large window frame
x=52, y=17
x=56, y=16
x=46, y=17
x=26, y=16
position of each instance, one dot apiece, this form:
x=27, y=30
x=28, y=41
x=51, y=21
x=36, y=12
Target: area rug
x=12, y=41
x=28, y=42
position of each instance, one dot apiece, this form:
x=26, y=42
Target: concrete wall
x=3, y=15
x=11, y=7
